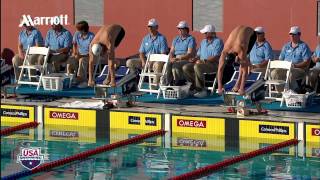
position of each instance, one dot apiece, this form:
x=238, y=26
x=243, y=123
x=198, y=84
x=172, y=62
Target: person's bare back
x=238, y=40
x=108, y=37
x=239, y=43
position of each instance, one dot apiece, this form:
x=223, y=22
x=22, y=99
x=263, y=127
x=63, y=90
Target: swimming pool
x=159, y=157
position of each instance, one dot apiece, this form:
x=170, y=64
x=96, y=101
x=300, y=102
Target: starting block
x=254, y=92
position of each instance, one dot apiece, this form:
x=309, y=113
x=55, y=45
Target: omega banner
x=195, y=141
x=72, y=133
x=313, y=133
x=72, y=117
x=266, y=129
x=17, y=114
x=312, y=140
x=202, y=125
x=132, y=120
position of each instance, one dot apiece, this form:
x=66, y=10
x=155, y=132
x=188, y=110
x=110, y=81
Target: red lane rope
x=95, y=151
x=204, y=171
x=10, y=130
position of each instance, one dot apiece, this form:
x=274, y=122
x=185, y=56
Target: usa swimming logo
x=30, y=158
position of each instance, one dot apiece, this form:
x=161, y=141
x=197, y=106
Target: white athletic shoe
x=201, y=94
x=83, y=85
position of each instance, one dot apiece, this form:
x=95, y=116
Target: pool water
x=159, y=157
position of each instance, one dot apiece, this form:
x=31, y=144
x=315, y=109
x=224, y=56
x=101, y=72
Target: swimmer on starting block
x=103, y=45
x=236, y=48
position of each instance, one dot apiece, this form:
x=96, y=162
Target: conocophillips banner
x=17, y=114
x=266, y=129
x=132, y=120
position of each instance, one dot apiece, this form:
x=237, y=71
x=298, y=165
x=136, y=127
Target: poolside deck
x=191, y=115
x=205, y=110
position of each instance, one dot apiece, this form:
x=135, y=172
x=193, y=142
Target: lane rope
x=84, y=155
x=205, y=171
x=10, y=130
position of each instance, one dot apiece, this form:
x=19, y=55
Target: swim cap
x=96, y=49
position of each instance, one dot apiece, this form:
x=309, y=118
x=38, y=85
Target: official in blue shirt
x=206, y=61
x=316, y=56
x=314, y=73
x=182, y=50
x=79, y=61
x=299, y=54
x=210, y=47
x=81, y=42
x=28, y=37
x=60, y=41
x=260, y=53
x=153, y=43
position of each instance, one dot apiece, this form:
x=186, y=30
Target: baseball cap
x=259, y=29
x=208, y=28
x=294, y=30
x=182, y=24
x=96, y=49
x=152, y=22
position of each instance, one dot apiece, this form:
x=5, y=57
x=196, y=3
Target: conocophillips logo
x=151, y=121
x=191, y=142
x=285, y=150
x=191, y=123
x=316, y=152
x=269, y=129
x=15, y=113
x=24, y=132
x=152, y=140
x=315, y=131
x=64, y=115
x=41, y=20
x=64, y=134
x=30, y=158
x=134, y=120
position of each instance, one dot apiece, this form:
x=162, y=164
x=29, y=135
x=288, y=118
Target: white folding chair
x=147, y=72
x=210, y=81
x=26, y=65
x=277, y=64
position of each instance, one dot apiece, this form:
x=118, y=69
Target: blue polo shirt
x=208, y=49
x=31, y=39
x=181, y=46
x=83, y=43
x=260, y=53
x=317, y=54
x=60, y=40
x=154, y=45
x=297, y=55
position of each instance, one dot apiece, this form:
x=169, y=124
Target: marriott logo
x=41, y=20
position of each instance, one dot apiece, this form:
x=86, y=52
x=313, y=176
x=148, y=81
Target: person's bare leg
x=108, y=79
x=90, y=69
x=244, y=70
x=236, y=87
x=112, y=73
